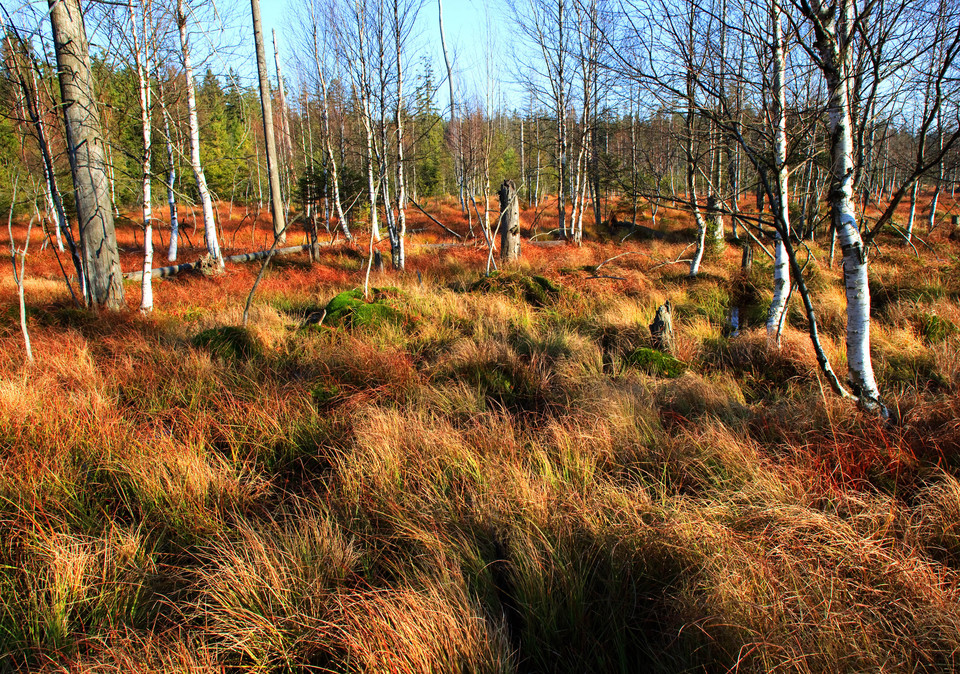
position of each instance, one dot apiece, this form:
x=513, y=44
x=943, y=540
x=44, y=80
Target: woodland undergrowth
x=479, y=480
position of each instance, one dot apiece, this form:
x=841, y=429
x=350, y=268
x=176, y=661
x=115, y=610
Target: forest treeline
x=772, y=123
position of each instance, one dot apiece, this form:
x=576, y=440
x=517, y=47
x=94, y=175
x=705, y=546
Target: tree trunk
x=328, y=137
x=85, y=146
x=206, y=203
x=913, y=209
x=509, y=222
x=455, y=130
x=932, y=218
x=266, y=107
x=781, y=268
x=31, y=95
x=286, y=133
x=715, y=225
x=692, y=180
x=171, y=180
x=400, y=256
x=661, y=330
x=142, y=64
x=834, y=56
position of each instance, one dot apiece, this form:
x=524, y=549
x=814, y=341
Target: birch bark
x=141, y=57
x=327, y=137
x=781, y=269
x=834, y=24
x=400, y=256
x=171, y=178
x=206, y=203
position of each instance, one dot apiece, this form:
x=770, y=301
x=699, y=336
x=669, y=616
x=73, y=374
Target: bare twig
x=18, y=277
x=263, y=268
x=679, y=259
x=440, y=224
x=611, y=259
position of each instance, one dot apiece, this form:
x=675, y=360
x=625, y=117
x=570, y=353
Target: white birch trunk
x=932, y=218
x=327, y=137
x=206, y=203
x=400, y=256
x=366, y=120
x=781, y=269
x=834, y=63
x=55, y=200
x=142, y=64
x=18, y=277
x=286, y=134
x=171, y=181
x=692, y=179
x=48, y=175
x=455, y=129
x=913, y=209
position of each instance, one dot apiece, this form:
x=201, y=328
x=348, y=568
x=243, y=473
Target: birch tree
x=18, y=274
x=321, y=64
x=206, y=202
x=171, y=177
x=781, y=267
x=546, y=24
x=142, y=45
x=31, y=98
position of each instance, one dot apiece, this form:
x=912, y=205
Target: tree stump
x=661, y=330
x=509, y=222
x=746, y=260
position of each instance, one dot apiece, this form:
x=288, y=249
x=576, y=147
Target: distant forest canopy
x=604, y=114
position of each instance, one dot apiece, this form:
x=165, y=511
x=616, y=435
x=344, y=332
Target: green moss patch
x=934, y=329
x=229, y=342
x=351, y=309
x=536, y=290
x=324, y=394
x=656, y=363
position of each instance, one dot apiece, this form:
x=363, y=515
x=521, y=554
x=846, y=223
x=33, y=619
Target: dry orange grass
x=486, y=485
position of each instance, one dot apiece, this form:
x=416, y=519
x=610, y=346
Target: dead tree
x=661, y=330
x=273, y=168
x=509, y=222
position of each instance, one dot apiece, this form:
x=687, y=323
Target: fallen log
x=173, y=270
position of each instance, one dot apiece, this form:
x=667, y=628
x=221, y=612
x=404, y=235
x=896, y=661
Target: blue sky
x=466, y=25
x=471, y=32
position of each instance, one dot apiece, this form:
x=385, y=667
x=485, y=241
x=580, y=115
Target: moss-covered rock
x=656, y=363
x=351, y=309
x=536, y=290
x=229, y=342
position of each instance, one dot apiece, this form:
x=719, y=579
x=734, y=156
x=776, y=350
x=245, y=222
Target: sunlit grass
x=490, y=484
